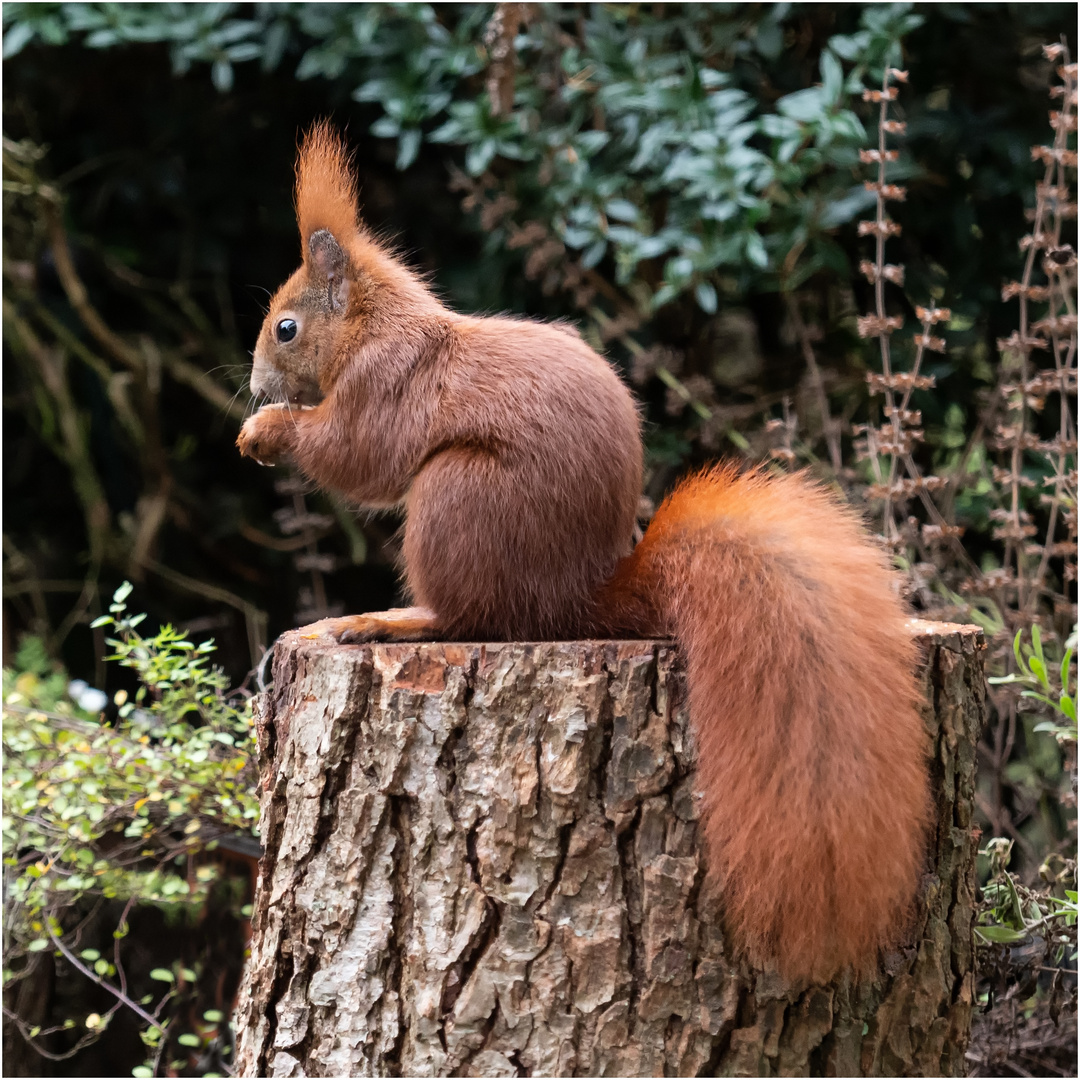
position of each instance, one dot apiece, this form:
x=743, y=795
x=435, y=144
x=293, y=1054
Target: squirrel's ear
x=326, y=203
x=327, y=258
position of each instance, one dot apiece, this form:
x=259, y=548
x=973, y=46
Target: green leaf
x=162, y=975
x=386, y=127
x=1000, y=935
x=589, y=142
x=408, y=148
x=593, y=254
x=1039, y=670
x=1014, y=897
x=1016, y=652
x=769, y=38
x=220, y=73
x=274, y=42
x=841, y=210
x=1039, y=697
x=806, y=105
x=740, y=441
x=621, y=210
x=479, y=155
x=16, y=37
x=705, y=294
x=664, y=295
x=187, y=1039
x=1036, y=641
x=850, y=46
x=832, y=77
x=755, y=251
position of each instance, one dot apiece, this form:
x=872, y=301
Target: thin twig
x=115, y=991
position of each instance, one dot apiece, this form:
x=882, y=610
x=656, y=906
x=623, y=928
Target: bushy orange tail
x=812, y=755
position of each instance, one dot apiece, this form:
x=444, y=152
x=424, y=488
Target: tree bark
x=482, y=860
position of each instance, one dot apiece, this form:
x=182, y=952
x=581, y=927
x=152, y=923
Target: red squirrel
x=515, y=451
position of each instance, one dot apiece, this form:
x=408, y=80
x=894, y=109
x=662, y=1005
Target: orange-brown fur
x=811, y=747
x=516, y=453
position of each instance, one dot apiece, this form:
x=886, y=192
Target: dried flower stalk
x=897, y=438
x=1027, y=564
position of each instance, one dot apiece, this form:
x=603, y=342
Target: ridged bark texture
x=483, y=860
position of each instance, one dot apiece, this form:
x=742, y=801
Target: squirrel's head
x=299, y=351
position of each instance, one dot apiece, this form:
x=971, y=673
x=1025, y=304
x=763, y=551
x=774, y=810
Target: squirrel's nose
x=265, y=380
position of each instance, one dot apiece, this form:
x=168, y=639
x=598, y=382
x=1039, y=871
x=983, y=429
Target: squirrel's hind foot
x=397, y=624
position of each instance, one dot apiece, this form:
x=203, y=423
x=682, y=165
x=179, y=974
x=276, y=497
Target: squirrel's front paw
x=269, y=435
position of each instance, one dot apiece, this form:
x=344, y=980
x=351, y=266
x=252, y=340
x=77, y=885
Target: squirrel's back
x=529, y=498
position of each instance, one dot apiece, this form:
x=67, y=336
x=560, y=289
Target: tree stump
x=482, y=860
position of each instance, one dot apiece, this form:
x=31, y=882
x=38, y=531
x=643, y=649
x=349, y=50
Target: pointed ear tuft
x=325, y=187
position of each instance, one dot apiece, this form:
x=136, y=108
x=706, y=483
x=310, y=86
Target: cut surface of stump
x=483, y=860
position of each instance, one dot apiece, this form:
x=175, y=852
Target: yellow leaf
x=26, y=682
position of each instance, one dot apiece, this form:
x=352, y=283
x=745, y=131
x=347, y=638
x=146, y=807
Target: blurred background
x=150, y=151
x=683, y=182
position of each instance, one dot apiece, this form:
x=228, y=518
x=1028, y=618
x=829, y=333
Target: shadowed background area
x=155, y=147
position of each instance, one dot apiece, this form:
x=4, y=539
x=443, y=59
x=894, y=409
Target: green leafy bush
x=97, y=810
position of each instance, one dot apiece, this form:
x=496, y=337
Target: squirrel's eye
x=286, y=330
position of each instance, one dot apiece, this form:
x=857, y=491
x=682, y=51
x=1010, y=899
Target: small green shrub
x=97, y=810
